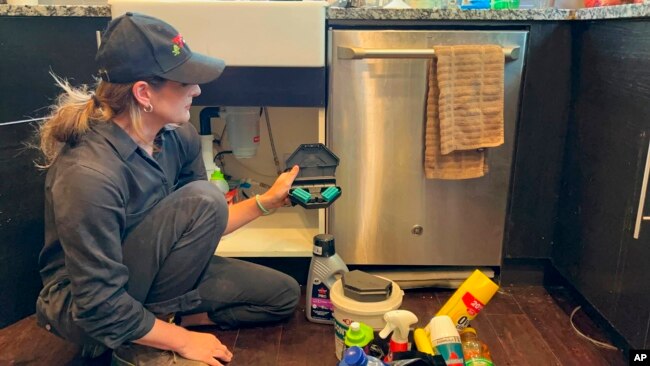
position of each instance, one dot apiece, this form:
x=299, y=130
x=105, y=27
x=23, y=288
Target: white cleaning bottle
x=219, y=180
x=325, y=268
x=446, y=340
x=398, y=322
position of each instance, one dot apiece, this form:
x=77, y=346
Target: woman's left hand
x=278, y=194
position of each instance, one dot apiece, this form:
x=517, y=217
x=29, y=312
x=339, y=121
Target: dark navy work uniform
x=129, y=236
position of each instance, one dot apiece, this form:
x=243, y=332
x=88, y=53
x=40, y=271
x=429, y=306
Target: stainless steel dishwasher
x=389, y=214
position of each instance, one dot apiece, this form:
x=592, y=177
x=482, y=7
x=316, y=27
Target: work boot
x=132, y=354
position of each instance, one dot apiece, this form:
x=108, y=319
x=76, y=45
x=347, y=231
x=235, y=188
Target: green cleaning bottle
x=219, y=180
x=360, y=335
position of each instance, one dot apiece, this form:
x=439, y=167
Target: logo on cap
x=178, y=43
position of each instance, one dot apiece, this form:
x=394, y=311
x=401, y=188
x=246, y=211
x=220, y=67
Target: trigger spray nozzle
x=398, y=322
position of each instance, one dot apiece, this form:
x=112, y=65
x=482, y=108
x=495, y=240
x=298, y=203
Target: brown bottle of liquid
x=475, y=352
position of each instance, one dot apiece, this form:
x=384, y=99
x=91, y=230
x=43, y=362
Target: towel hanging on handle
x=464, y=111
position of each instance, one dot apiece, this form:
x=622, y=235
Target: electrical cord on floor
x=597, y=343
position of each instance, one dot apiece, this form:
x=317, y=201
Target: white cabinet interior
x=289, y=231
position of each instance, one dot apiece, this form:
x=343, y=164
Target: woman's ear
x=142, y=92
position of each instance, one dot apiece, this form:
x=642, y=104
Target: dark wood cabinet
x=31, y=48
x=606, y=150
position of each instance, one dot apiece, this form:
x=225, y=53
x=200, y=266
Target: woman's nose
x=196, y=91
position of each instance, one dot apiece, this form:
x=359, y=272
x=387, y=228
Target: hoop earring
x=148, y=108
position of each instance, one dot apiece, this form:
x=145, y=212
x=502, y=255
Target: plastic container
x=474, y=4
x=364, y=287
x=446, y=340
x=219, y=180
x=354, y=356
x=347, y=310
x=422, y=341
x=475, y=352
x=359, y=335
x=470, y=298
x=243, y=126
x=315, y=186
x=325, y=268
x=504, y=4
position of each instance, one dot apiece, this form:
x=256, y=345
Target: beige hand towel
x=464, y=110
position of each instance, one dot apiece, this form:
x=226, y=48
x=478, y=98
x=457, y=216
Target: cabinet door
x=633, y=307
x=606, y=155
x=604, y=163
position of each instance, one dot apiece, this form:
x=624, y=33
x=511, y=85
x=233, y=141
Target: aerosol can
x=325, y=268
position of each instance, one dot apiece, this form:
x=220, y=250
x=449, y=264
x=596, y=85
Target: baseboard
x=524, y=271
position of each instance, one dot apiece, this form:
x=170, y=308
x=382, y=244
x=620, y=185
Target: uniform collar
x=120, y=140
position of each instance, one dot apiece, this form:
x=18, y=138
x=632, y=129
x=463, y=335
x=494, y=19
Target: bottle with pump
x=398, y=322
x=354, y=356
x=325, y=268
x=475, y=352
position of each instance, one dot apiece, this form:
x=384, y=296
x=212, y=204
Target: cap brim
x=198, y=69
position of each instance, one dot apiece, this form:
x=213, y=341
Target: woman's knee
x=290, y=297
x=206, y=193
x=204, y=190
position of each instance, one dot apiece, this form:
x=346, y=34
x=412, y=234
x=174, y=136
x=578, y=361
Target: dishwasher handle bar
x=511, y=53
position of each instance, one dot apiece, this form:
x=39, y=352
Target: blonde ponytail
x=77, y=108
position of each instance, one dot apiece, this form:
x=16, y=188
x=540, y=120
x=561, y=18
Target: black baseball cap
x=137, y=46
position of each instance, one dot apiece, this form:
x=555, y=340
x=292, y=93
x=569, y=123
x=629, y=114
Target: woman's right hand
x=206, y=348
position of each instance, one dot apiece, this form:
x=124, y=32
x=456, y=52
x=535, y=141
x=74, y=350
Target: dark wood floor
x=521, y=325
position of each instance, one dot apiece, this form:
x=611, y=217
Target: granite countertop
x=56, y=10
x=607, y=12
x=450, y=14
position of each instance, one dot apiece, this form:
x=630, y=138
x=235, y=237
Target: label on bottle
x=339, y=338
x=472, y=304
x=321, y=306
x=479, y=361
x=451, y=352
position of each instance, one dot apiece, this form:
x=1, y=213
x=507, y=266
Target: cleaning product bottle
x=446, y=340
x=398, y=322
x=360, y=335
x=354, y=356
x=325, y=268
x=474, y=351
x=422, y=341
x=219, y=180
x=470, y=298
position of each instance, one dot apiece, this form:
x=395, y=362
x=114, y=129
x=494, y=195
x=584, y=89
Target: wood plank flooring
x=522, y=325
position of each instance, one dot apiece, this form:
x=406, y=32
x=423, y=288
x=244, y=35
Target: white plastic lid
x=442, y=326
x=351, y=306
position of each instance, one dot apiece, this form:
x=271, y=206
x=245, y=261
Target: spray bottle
x=325, y=268
x=398, y=322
